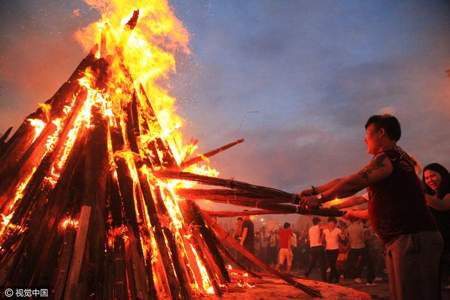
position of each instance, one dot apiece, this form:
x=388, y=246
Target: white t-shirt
x=331, y=238
x=314, y=234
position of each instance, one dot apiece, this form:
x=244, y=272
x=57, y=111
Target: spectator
x=238, y=228
x=436, y=180
x=332, y=235
x=315, y=235
x=357, y=253
x=294, y=248
x=285, y=246
x=248, y=234
x=264, y=244
x=273, y=253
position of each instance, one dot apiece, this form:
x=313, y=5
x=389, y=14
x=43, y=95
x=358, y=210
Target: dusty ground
x=271, y=288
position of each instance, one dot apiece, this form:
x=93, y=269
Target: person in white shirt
x=332, y=235
x=315, y=235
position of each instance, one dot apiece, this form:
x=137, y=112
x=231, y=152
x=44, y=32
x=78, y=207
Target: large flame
x=140, y=59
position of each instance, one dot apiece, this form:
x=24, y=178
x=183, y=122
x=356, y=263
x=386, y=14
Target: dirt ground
x=273, y=288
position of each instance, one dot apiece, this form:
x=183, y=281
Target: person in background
x=248, y=234
x=436, y=180
x=332, y=235
x=257, y=244
x=357, y=253
x=294, y=248
x=238, y=228
x=273, y=253
x=303, y=249
x=315, y=235
x=285, y=246
x=264, y=245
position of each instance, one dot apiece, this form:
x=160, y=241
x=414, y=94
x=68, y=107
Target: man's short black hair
x=240, y=219
x=389, y=123
x=287, y=225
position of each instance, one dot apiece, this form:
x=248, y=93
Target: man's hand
x=310, y=201
x=307, y=192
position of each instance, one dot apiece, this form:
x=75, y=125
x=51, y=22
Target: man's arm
x=321, y=189
x=360, y=214
x=437, y=203
x=349, y=202
x=379, y=168
x=244, y=235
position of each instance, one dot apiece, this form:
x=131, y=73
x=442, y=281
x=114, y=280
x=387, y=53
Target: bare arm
x=328, y=185
x=244, y=235
x=438, y=204
x=379, y=168
x=360, y=214
x=322, y=188
x=349, y=202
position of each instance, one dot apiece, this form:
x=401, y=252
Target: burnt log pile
x=92, y=201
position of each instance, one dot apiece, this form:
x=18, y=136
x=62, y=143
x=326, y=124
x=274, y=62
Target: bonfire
x=98, y=197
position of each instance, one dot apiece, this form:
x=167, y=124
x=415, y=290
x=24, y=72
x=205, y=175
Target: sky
x=296, y=79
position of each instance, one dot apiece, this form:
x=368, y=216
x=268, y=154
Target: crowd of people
x=335, y=248
x=407, y=221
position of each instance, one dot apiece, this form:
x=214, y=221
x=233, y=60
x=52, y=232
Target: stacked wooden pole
x=95, y=219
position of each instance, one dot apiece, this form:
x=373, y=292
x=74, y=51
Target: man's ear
x=382, y=132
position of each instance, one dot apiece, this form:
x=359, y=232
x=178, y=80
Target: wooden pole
x=262, y=191
x=77, y=259
x=230, y=214
x=231, y=242
x=208, y=154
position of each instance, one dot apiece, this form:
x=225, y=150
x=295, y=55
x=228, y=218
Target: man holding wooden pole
x=396, y=210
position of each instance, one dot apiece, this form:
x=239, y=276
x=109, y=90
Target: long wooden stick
x=275, y=208
x=231, y=242
x=227, y=214
x=77, y=259
x=208, y=154
x=229, y=183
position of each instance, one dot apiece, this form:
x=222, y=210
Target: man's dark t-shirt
x=250, y=239
x=397, y=203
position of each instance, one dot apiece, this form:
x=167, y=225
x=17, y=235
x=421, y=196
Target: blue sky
x=296, y=79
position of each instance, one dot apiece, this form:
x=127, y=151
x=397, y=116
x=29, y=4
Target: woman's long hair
x=444, y=186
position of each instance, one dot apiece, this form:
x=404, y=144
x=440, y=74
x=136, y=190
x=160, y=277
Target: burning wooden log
x=260, y=191
x=228, y=214
x=53, y=108
x=77, y=258
x=3, y=139
x=244, y=194
x=209, y=154
x=89, y=167
x=231, y=242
